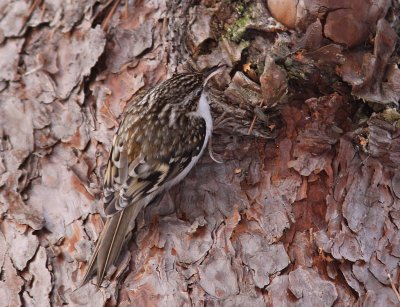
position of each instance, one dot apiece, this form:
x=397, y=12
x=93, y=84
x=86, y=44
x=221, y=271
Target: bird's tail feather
x=110, y=242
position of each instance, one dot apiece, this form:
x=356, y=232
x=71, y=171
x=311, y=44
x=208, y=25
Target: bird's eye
x=198, y=93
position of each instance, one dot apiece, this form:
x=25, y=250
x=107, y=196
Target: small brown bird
x=159, y=140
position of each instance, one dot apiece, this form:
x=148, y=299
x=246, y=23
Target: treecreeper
x=160, y=138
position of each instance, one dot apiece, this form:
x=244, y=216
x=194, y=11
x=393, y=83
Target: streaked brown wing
x=133, y=175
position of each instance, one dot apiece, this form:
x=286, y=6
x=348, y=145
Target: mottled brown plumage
x=160, y=138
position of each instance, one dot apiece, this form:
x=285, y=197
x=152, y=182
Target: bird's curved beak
x=211, y=72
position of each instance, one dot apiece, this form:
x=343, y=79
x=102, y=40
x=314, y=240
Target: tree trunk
x=305, y=208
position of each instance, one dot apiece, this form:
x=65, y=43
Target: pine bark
x=305, y=208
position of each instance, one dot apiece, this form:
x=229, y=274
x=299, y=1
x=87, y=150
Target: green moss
x=391, y=116
x=242, y=12
x=239, y=8
x=235, y=32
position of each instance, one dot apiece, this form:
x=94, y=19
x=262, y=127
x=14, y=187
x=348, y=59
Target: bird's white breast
x=203, y=110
